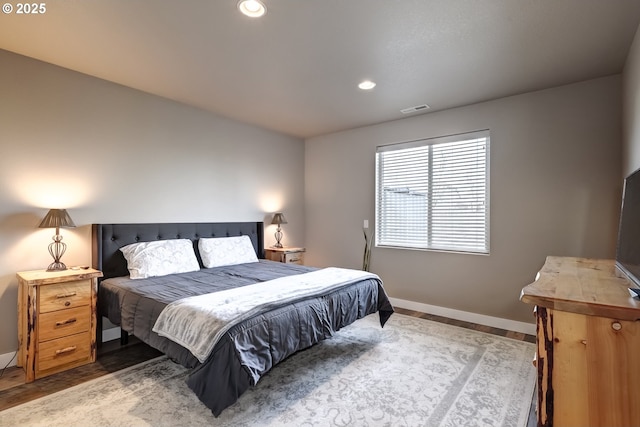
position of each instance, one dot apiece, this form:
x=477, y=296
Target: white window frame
x=415, y=194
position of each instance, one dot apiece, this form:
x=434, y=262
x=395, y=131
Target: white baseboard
x=481, y=319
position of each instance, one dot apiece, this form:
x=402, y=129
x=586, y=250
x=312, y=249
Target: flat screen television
x=628, y=247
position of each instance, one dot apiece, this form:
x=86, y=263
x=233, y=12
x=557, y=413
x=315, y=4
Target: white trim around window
x=434, y=194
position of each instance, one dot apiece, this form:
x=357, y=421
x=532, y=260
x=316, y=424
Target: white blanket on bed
x=197, y=323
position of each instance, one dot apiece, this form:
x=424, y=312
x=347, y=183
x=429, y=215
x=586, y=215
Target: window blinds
x=434, y=193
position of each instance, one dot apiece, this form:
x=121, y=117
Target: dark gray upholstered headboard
x=107, y=239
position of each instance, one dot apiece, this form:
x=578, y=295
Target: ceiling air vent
x=415, y=109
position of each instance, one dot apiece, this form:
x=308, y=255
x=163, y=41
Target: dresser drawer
x=65, y=295
x=62, y=351
x=61, y=323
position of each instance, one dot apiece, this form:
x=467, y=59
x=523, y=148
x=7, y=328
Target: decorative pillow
x=221, y=251
x=159, y=258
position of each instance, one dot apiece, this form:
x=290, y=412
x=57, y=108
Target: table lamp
x=57, y=218
x=278, y=219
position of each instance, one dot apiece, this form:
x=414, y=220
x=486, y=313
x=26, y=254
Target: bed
x=250, y=347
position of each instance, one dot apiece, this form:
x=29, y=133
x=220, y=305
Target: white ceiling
x=296, y=69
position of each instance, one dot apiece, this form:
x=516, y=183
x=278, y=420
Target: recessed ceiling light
x=252, y=8
x=367, y=85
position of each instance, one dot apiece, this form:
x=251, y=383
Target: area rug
x=414, y=372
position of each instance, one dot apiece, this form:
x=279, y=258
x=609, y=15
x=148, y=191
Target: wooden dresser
x=588, y=344
x=56, y=320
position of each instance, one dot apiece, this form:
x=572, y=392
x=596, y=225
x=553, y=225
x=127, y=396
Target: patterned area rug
x=414, y=372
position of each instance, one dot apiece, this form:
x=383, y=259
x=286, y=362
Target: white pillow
x=160, y=257
x=221, y=251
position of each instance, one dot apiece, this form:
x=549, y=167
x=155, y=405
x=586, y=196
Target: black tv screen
x=628, y=248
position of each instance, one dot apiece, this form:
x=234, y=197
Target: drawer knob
x=67, y=303
x=616, y=326
x=67, y=322
x=65, y=350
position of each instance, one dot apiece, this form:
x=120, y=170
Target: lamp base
x=278, y=236
x=57, y=266
x=57, y=249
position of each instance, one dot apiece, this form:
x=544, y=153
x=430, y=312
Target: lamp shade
x=278, y=218
x=56, y=218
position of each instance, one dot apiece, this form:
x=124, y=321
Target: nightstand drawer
x=295, y=258
x=64, y=322
x=63, y=351
x=65, y=295
x=287, y=255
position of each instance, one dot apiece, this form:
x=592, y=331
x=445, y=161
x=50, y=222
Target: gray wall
x=631, y=109
x=555, y=189
x=112, y=154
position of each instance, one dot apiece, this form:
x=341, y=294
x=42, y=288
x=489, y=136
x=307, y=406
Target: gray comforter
x=251, y=348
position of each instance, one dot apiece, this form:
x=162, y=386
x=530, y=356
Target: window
x=434, y=194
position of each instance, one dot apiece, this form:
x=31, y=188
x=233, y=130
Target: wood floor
x=113, y=357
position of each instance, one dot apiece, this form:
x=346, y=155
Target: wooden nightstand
x=56, y=320
x=288, y=255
